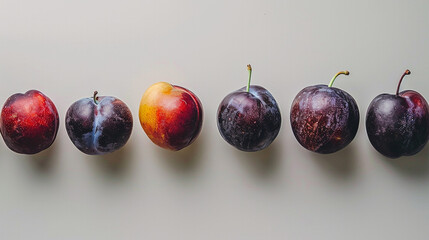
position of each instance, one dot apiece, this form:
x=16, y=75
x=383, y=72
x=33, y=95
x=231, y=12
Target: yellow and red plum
x=99, y=125
x=398, y=125
x=29, y=122
x=324, y=119
x=170, y=115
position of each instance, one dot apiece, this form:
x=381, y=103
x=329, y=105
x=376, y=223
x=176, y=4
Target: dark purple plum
x=99, y=125
x=398, y=125
x=324, y=119
x=249, y=118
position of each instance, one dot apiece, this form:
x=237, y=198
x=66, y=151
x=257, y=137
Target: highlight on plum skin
x=29, y=122
x=99, y=125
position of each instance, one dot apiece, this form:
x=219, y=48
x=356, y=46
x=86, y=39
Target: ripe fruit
x=398, y=125
x=324, y=119
x=29, y=122
x=99, y=125
x=249, y=118
x=170, y=115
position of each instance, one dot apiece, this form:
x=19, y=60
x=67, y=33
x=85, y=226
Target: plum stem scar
x=407, y=72
x=336, y=75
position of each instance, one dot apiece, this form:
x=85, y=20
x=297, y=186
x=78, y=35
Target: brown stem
x=407, y=72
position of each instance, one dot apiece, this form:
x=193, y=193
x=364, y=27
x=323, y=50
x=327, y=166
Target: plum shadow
x=416, y=166
x=45, y=160
x=116, y=164
x=262, y=164
x=341, y=164
x=186, y=160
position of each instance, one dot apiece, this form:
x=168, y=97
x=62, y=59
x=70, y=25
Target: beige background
x=68, y=49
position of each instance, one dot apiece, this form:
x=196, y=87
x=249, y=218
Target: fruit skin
x=249, y=121
x=171, y=116
x=398, y=125
x=29, y=122
x=99, y=128
x=324, y=119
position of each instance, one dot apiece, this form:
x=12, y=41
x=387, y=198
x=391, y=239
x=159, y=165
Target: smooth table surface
x=68, y=49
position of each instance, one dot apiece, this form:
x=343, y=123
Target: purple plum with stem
x=398, y=124
x=249, y=118
x=99, y=125
x=324, y=119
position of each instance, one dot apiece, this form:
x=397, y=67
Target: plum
x=99, y=125
x=249, y=118
x=170, y=115
x=324, y=119
x=29, y=122
x=398, y=124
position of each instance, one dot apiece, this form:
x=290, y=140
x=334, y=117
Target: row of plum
x=324, y=119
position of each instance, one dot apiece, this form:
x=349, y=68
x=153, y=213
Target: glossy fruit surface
x=99, y=125
x=324, y=119
x=249, y=118
x=29, y=122
x=170, y=115
x=398, y=125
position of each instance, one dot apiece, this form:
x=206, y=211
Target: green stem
x=95, y=98
x=336, y=75
x=407, y=72
x=250, y=77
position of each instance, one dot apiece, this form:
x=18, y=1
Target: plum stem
x=407, y=72
x=95, y=98
x=336, y=75
x=249, y=68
